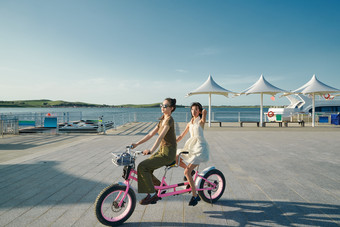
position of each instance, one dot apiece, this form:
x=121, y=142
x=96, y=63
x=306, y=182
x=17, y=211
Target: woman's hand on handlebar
x=146, y=152
x=134, y=145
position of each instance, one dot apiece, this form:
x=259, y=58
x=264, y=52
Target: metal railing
x=121, y=118
x=38, y=118
x=235, y=116
x=9, y=125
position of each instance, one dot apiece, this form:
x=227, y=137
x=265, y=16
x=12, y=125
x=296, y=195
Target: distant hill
x=49, y=103
x=46, y=103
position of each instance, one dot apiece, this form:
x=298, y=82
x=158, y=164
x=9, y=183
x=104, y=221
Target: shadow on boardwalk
x=42, y=184
x=32, y=141
x=169, y=224
x=140, y=128
x=278, y=213
x=273, y=213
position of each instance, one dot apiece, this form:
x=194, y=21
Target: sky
x=142, y=51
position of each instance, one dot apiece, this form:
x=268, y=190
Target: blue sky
x=120, y=52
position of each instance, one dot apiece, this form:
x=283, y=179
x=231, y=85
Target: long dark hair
x=199, y=107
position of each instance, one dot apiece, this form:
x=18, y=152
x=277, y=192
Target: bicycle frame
x=164, y=186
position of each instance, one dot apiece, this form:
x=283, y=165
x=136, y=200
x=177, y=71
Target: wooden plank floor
x=275, y=177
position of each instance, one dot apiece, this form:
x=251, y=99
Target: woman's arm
x=147, y=137
x=180, y=137
x=158, y=140
x=204, y=118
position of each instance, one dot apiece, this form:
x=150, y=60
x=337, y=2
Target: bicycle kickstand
x=209, y=192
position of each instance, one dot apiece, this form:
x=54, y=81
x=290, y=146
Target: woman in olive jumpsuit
x=164, y=156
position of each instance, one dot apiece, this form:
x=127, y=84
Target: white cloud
x=181, y=70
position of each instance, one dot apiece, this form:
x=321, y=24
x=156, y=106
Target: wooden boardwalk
x=275, y=177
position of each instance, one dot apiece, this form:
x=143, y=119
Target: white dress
x=196, y=145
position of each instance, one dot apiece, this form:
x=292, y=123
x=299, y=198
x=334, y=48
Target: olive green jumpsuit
x=164, y=156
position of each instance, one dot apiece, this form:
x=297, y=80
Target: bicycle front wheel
x=214, y=176
x=107, y=206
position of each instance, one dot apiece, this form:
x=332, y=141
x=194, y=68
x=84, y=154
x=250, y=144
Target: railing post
x=41, y=119
x=57, y=129
x=2, y=128
x=16, y=127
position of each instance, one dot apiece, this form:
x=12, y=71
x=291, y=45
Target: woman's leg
x=181, y=163
x=187, y=173
x=145, y=180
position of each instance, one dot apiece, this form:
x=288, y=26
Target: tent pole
x=313, y=111
x=261, y=110
x=209, y=110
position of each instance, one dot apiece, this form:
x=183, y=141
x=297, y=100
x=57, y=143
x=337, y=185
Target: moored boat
x=302, y=104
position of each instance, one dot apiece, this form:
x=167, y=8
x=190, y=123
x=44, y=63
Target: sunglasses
x=164, y=105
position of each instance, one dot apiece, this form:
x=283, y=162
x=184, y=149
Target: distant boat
x=302, y=104
x=82, y=125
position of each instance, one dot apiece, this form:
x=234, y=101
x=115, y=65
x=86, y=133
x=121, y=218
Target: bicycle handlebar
x=129, y=149
x=138, y=152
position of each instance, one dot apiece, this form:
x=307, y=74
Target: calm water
x=123, y=115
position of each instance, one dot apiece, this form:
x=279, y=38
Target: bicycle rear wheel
x=107, y=207
x=214, y=176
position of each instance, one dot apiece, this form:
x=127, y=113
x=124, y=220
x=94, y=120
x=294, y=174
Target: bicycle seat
x=172, y=164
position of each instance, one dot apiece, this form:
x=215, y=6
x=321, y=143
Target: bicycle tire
x=108, y=199
x=216, y=177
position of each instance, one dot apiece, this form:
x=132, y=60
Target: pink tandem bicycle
x=116, y=203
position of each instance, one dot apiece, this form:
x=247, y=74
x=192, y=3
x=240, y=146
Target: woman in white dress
x=196, y=145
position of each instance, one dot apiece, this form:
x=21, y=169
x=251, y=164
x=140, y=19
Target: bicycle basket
x=122, y=159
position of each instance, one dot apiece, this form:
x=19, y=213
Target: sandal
x=194, y=200
x=146, y=200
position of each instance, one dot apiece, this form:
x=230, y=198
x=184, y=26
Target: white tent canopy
x=210, y=87
x=314, y=87
x=262, y=86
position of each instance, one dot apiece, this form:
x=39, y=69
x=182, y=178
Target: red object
x=272, y=98
x=327, y=96
x=270, y=114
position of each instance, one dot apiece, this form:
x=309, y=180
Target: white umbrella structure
x=262, y=86
x=210, y=87
x=314, y=87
